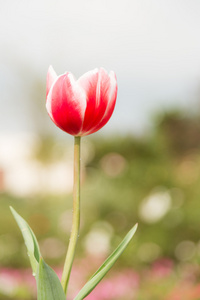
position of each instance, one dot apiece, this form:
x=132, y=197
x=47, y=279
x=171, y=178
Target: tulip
x=81, y=107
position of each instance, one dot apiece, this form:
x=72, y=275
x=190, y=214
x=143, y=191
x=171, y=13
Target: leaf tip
x=13, y=211
x=15, y=214
x=135, y=228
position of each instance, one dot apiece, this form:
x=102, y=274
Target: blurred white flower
x=22, y=175
x=16, y=147
x=154, y=207
x=30, y=177
x=97, y=241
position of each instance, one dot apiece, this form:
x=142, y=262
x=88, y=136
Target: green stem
x=76, y=216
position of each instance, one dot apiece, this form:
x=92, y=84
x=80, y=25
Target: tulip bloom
x=81, y=107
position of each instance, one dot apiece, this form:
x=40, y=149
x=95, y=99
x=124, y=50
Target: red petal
x=89, y=83
x=111, y=95
x=101, y=91
x=66, y=104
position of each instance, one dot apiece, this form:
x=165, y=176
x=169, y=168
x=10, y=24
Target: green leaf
x=105, y=267
x=30, y=240
x=48, y=283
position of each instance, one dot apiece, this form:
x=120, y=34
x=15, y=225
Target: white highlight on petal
x=52, y=72
x=112, y=93
x=113, y=90
x=76, y=89
x=79, y=94
x=51, y=78
x=87, y=75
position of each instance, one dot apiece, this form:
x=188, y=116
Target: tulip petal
x=101, y=91
x=111, y=96
x=51, y=77
x=89, y=83
x=96, y=85
x=66, y=104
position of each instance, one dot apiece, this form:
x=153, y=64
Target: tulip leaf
x=105, y=267
x=48, y=283
x=30, y=240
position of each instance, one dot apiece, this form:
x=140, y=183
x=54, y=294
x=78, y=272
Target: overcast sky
x=152, y=45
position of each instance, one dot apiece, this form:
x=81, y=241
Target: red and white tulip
x=81, y=107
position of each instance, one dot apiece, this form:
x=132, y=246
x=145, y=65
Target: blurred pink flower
x=162, y=267
x=121, y=285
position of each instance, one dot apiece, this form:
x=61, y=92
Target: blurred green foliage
x=121, y=175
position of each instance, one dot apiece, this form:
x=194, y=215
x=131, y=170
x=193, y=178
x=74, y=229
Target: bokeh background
x=143, y=166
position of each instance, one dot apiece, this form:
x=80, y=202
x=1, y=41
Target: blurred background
x=143, y=166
